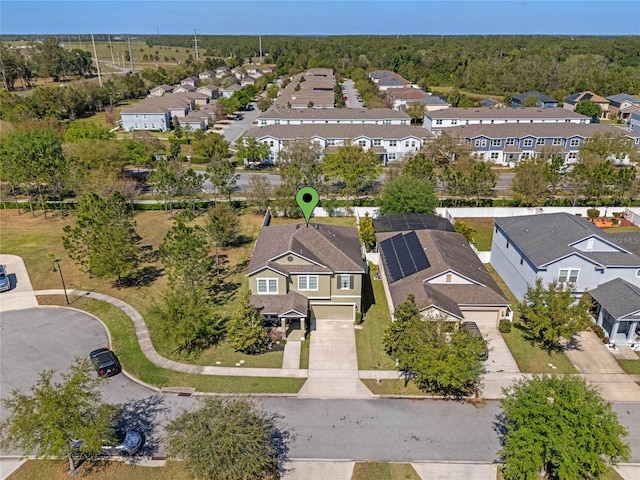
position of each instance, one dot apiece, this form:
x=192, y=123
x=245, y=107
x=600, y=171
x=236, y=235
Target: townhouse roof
x=407, y=93
x=187, y=87
x=535, y=93
x=333, y=249
x=232, y=88
x=445, y=252
x=355, y=114
x=523, y=113
x=584, y=96
x=618, y=297
x=535, y=130
x=164, y=88
x=547, y=237
x=159, y=104
x=338, y=131
x=190, y=79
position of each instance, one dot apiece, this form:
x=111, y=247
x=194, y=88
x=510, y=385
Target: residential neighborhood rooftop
x=505, y=112
x=332, y=113
x=338, y=131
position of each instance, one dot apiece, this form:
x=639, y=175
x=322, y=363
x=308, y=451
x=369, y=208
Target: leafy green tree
x=251, y=151
x=263, y=104
x=191, y=184
x=366, y=232
x=352, y=165
x=466, y=230
x=589, y=108
x=78, y=130
x=185, y=252
x=550, y=314
x=51, y=59
x=272, y=91
x=223, y=227
x=559, y=428
x=445, y=149
x=407, y=194
x=165, y=179
x=245, y=331
x=259, y=192
x=481, y=180
x=185, y=315
x=530, y=183
x=103, y=240
x=607, y=146
x=55, y=414
x=416, y=111
x=212, y=146
x=421, y=167
x=222, y=174
x=228, y=439
x=530, y=101
x=299, y=164
x=178, y=132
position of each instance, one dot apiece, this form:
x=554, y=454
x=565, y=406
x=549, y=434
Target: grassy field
x=631, y=366
x=530, y=358
x=383, y=471
x=371, y=354
x=484, y=231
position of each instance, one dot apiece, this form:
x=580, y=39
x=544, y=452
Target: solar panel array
x=411, y=221
x=403, y=256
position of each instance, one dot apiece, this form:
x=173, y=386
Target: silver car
x=125, y=443
x=5, y=284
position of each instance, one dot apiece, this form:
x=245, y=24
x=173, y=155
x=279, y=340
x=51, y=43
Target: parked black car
x=105, y=362
x=472, y=329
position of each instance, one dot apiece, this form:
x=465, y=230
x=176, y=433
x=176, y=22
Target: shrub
x=600, y=333
x=199, y=160
x=505, y=325
x=593, y=213
x=358, y=318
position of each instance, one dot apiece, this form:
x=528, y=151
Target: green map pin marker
x=307, y=199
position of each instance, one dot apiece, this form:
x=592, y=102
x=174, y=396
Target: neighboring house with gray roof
x=160, y=90
x=444, y=274
x=571, y=101
x=544, y=101
x=617, y=311
x=559, y=246
x=299, y=272
x=623, y=105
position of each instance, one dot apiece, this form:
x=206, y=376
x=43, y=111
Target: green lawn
x=369, y=339
x=530, y=358
x=631, y=366
x=484, y=231
x=125, y=343
x=340, y=221
x=57, y=470
x=383, y=471
x=392, y=387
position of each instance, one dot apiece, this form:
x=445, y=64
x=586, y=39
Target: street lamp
x=64, y=287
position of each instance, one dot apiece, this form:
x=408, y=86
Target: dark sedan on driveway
x=105, y=362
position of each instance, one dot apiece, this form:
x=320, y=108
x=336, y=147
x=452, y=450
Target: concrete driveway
x=591, y=356
x=21, y=294
x=500, y=358
x=333, y=362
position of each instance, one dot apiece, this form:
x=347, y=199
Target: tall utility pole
x=113, y=62
x=130, y=53
x=95, y=56
x=196, y=38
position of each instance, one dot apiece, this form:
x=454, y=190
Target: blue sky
x=328, y=17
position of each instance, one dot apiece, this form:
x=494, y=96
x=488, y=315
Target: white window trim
x=307, y=282
x=350, y=282
x=565, y=274
x=268, y=284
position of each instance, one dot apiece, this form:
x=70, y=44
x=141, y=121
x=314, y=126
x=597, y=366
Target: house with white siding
x=343, y=116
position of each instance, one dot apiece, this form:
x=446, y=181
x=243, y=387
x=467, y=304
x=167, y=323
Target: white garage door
x=333, y=312
x=481, y=317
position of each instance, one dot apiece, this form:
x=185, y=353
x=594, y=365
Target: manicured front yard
x=484, y=231
x=57, y=470
x=631, y=366
x=369, y=338
x=393, y=387
x=383, y=471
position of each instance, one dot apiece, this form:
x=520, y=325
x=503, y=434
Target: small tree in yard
x=367, y=233
x=223, y=227
x=551, y=315
x=558, y=428
x=57, y=413
x=245, y=332
x=406, y=194
x=228, y=440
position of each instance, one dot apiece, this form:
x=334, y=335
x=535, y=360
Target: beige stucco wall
x=282, y=281
x=324, y=286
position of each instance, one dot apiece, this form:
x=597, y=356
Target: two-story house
x=390, y=142
x=542, y=100
x=571, y=101
x=299, y=272
x=623, y=105
x=326, y=116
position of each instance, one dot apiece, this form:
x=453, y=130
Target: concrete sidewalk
x=21, y=295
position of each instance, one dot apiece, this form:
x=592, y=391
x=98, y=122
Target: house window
x=263, y=122
x=137, y=116
x=494, y=155
x=377, y=142
x=387, y=122
x=496, y=143
x=277, y=122
x=393, y=143
x=447, y=278
x=481, y=142
x=267, y=286
x=153, y=126
x=568, y=275
x=574, y=142
x=307, y=282
x=521, y=261
x=145, y=126
x=136, y=125
x=402, y=122
x=362, y=143
x=392, y=156
x=439, y=122
x=331, y=142
x=539, y=141
x=511, y=141
x=454, y=122
x=557, y=141
x=345, y=282
x=406, y=144
x=572, y=156
x=507, y=243
x=271, y=143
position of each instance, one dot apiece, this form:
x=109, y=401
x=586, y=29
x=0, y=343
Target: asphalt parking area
x=37, y=339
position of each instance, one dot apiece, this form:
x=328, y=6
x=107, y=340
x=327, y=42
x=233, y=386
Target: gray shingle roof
x=446, y=251
x=547, y=237
x=535, y=130
x=281, y=304
x=335, y=248
x=338, y=131
x=333, y=114
x=618, y=297
x=523, y=113
x=623, y=97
